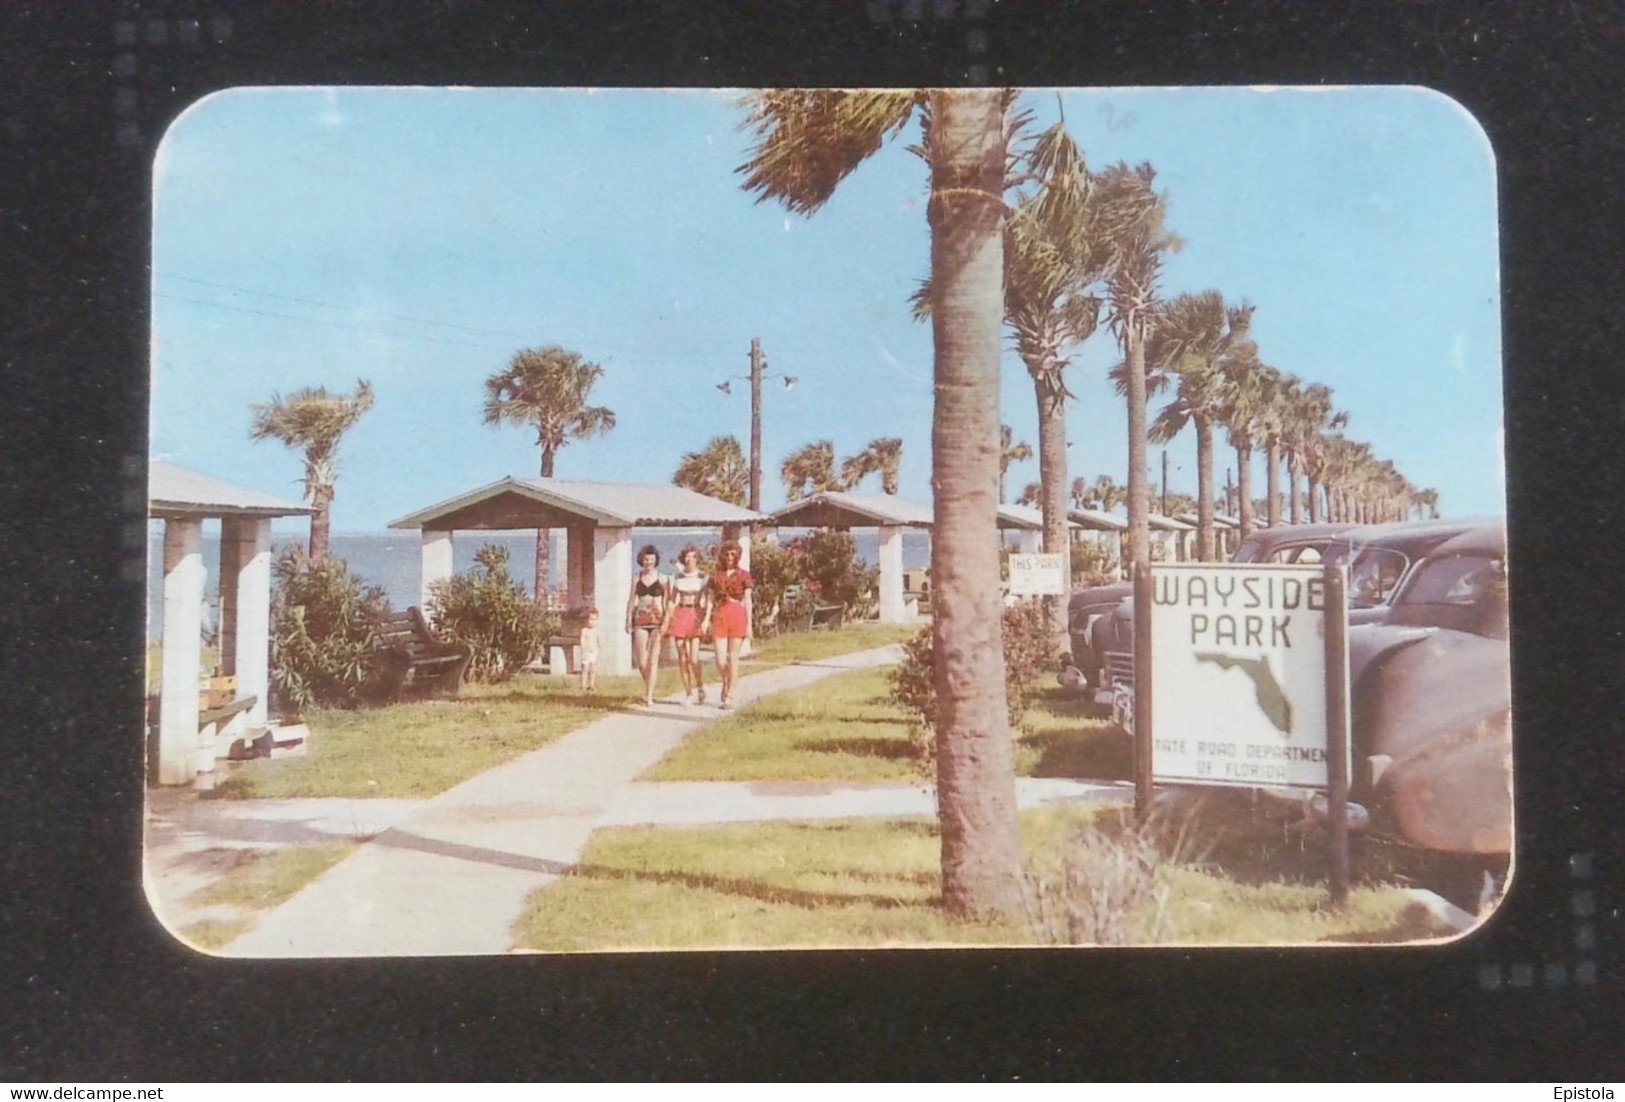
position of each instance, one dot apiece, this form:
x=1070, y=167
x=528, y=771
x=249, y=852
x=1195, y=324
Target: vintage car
x=1382, y=556
x=1431, y=701
x=1100, y=620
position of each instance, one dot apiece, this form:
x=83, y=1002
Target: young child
x=589, y=652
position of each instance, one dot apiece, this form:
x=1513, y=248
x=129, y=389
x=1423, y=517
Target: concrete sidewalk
x=451, y=875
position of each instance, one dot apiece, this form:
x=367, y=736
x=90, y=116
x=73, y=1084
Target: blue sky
x=419, y=237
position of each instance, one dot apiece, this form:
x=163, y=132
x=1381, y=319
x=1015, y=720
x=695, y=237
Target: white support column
x=1028, y=541
x=578, y=566
x=250, y=635
x=612, y=569
x=438, y=563
x=891, y=576
x=183, y=650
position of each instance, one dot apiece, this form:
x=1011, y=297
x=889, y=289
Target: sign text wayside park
x=1239, y=654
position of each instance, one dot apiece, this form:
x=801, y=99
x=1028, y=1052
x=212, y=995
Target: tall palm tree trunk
x=1294, y=502
x=321, y=499
x=1244, y=487
x=544, y=540
x=976, y=794
x=1139, y=471
x=1272, y=481
x=1206, y=549
x=1053, y=486
x=1314, y=499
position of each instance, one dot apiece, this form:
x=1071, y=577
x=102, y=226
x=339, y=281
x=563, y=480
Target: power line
x=321, y=321
x=338, y=306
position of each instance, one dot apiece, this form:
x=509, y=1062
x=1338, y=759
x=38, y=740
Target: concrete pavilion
x=597, y=517
x=837, y=509
x=183, y=499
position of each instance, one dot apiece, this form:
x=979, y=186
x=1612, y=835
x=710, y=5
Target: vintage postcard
x=603, y=520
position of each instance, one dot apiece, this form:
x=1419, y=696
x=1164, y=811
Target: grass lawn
x=813, y=646
x=421, y=748
x=847, y=728
x=874, y=883
x=258, y=883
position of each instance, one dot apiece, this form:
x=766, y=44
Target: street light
x=758, y=372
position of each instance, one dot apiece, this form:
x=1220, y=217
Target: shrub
x=1093, y=564
x=488, y=611
x=323, y=623
x=1104, y=890
x=772, y=570
x=836, y=576
x=1029, y=653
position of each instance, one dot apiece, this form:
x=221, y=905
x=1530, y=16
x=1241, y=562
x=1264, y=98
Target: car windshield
x=1458, y=580
x=1375, y=573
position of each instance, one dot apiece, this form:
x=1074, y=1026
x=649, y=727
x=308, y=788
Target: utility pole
x=1164, y=481
x=757, y=365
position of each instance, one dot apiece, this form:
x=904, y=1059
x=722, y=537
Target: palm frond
x=805, y=142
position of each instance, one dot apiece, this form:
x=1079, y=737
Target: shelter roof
x=555, y=502
x=837, y=509
x=1168, y=524
x=175, y=491
x=1096, y=520
x=1027, y=517
x=1220, y=520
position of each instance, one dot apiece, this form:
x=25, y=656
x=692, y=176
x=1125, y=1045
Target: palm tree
x=547, y=389
x=1242, y=414
x=1131, y=222
x=810, y=470
x=1315, y=416
x=1103, y=493
x=718, y=470
x=1279, y=399
x=1010, y=451
x=1192, y=341
x=314, y=421
x=1427, y=503
x=805, y=144
x=1031, y=494
x=882, y=456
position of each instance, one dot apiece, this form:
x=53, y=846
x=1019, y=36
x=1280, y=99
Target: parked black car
x=1382, y=556
x=1431, y=701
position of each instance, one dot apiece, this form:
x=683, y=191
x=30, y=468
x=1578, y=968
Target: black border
x=94, y=990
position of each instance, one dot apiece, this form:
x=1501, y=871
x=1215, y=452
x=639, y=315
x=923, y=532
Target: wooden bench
x=414, y=660
x=827, y=616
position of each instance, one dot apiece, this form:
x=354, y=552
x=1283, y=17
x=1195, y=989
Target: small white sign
x=1238, y=658
x=1037, y=575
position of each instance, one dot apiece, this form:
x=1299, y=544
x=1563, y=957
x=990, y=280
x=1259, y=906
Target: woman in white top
x=685, y=615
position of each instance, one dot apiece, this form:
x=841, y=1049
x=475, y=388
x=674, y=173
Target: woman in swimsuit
x=685, y=616
x=645, y=612
x=729, y=615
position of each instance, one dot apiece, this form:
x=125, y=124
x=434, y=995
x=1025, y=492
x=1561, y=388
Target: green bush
x=489, y=612
x=323, y=622
x=1029, y=654
x=1093, y=564
x=835, y=575
x=772, y=570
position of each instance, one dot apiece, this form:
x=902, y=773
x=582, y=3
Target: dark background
x=92, y=989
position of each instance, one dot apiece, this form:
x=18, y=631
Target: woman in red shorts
x=729, y=615
x=685, y=620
